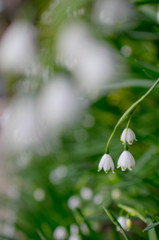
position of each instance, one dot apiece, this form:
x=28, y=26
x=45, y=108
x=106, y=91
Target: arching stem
x=129, y=113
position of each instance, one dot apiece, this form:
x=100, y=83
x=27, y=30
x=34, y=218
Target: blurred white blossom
x=20, y=125
x=18, y=48
x=9, y=229
x=60, y=233
x=91, y=62
x=126, y=51
x=84, y=228
x=114, y=12
x=58, y=104
x=69, y=43
x=124, y=222
x=74, y=237
x=58, y=174
x=95, y=66
x=39, y=194
x=116, y=194
x=86, y=193
x=74, y=229
x=98, y=199
x=73, y=202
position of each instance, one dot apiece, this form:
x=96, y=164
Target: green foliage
x=116, y=223
x=63, y=171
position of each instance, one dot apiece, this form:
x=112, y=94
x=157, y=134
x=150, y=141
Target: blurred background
x=68, y=71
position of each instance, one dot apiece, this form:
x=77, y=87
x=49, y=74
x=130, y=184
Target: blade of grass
x=93, y=234
x=41, y=235
x=116, y=223
x=151, y=226
x=148, y=66
x=132, y=212
x=151, y=232
x=6, y=238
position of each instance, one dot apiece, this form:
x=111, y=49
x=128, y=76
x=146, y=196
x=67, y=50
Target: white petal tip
x=123, y=168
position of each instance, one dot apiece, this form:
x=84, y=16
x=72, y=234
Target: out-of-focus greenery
x=81, y=147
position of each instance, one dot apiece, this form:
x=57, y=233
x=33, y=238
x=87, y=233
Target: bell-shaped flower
x=128, y=135
x=124, y=222
x=126, y=161
x=106, y=163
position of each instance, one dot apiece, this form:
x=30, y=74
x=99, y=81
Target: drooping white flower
x=106, y=163
x=124, y=222
x=18, y=47
x=126, y=160
x=128, y=135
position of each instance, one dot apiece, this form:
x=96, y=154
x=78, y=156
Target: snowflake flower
x=130, y=136
x=126, y=160
x=106, y=163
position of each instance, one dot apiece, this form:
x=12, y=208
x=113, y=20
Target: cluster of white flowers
x=126, y=159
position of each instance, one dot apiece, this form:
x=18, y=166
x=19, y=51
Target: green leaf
x=41, y=235
x=95, y=218
x=151, y=232
x=151, y=226
x=157, y=218
x=93, y=234
x=132, y=212
x=148, y=66
x=116, y=223
x=6, y=238
x=134, y=82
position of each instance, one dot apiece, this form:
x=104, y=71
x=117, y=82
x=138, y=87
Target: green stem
x=107, y=146
x=128, y=112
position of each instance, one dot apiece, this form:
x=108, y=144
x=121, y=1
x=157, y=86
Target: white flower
x=112, y=13
x=73, y=202
x=58, y=103
x=124, y=222
x=18, y=48
x=91, y=62
x=126, y=160
x=128, y=135
x=106, y=163
x=60, y=233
